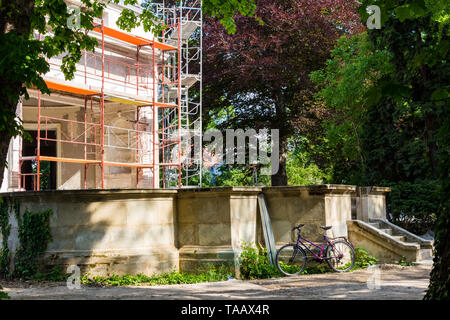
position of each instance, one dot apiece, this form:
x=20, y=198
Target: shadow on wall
x=106, y=233
x=158, y=230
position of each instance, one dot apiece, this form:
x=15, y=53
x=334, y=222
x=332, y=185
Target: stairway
x=389, y=242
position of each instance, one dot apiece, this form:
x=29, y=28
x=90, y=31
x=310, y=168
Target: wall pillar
x=371, y=203
x=212, y=225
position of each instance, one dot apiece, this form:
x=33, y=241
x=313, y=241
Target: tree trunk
x=280, y=178
x=4, y=145
x=431, y=144
x=16, y=16
x=282, y=123
x=6, y=134
x=439, y=288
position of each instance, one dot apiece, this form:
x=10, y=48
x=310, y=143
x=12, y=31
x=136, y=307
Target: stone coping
x=92, y=192
x=320, y=189
x=222, y=190
x=313, y=189
x=372, y=190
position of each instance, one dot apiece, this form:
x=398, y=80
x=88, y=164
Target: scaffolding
x=165, y=108
x=190, y=42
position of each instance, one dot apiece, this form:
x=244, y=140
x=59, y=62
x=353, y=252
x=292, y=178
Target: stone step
x=423, y=262
x=388, y=231
x=375, y=224
x=425, y=254
x=399, y=238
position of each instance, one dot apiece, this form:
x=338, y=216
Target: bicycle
x=339, y=254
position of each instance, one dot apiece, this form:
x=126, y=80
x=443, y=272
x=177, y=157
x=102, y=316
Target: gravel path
x=394, y=283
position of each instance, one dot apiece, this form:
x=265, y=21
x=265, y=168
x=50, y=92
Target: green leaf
x=403, y=12
x=439, y=94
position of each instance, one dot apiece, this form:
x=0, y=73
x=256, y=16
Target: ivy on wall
x=34, y=235
x=5, y=230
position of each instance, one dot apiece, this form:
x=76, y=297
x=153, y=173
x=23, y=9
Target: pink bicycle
x=339, y=254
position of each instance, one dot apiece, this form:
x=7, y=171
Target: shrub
x=413, y=206
x=255, y=263
x=363, y=259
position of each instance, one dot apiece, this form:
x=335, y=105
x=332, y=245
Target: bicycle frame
x=325, y=240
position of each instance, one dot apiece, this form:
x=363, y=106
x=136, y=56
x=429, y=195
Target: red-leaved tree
x=263, y=69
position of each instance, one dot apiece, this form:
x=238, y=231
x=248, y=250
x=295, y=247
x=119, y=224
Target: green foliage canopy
x=345, y=85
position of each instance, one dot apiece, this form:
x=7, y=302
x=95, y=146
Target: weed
x=363, y=259
x=3, y=295
x=403, y=262
x=213, y=274
x=255, y=263
x=55, y=274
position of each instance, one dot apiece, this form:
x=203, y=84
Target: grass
x=213, y=274
x=254, y=265
x=207, y=274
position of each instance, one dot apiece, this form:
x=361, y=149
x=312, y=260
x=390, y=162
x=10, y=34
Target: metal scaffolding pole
x=102, y=109
x=168, y=125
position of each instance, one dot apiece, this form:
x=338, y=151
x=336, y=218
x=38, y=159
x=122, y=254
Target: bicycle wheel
x=341, y=256
x=291, y=260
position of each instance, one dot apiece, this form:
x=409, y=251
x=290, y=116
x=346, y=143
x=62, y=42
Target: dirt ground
x=387, y=282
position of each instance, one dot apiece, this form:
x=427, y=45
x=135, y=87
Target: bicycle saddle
x=297, y=227
x=326, y=227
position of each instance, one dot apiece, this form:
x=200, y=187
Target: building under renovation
x=129, y=117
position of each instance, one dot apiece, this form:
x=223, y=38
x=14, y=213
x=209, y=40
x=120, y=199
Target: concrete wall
x=314, y=206
x=108, y=232
x=147, y=231
x=213, y=223
x=370, y=203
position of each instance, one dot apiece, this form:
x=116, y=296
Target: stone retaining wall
x=153, y=231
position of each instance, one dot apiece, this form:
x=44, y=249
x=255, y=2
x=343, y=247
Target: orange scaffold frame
x=90, y=126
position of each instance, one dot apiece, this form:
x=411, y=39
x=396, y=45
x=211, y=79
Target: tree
x=345, y=84
x=301, y=167
x=262, y=70
x=416, y=33
x=23, y=52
